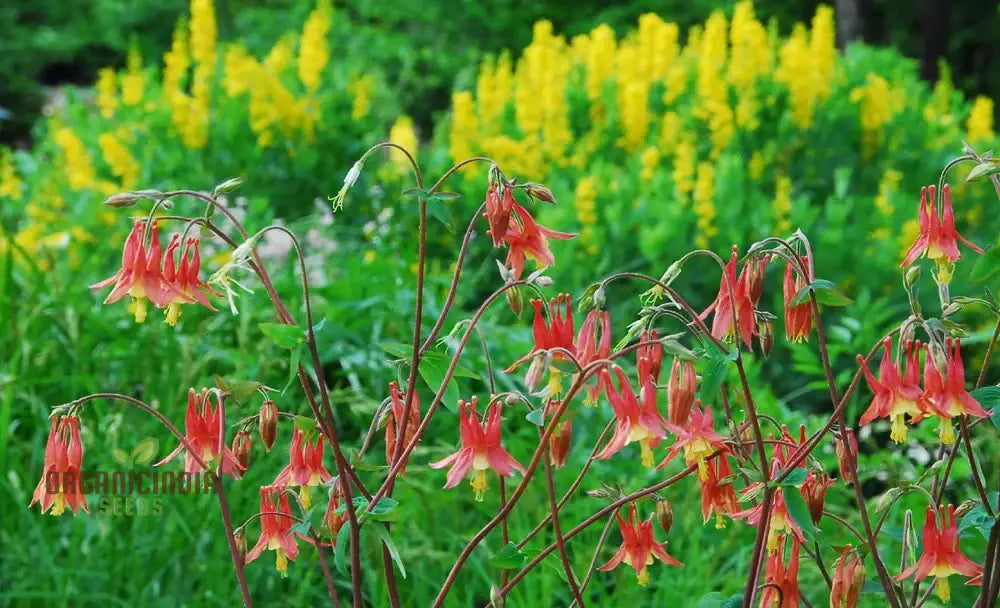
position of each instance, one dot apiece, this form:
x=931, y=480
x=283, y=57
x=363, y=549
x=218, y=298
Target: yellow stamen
x=946, y=432
x=479, y=484
x=173, y=313
x=555, y=382
x=139, y=308
x=281, y=562
x=775, y=531
x=720, y=521
x=305, y=497
x=59, y=505
x=643, y=576
x=702, y=469
x=944, y=269
x=898, y=428
x=647, y=454
x=943, y=589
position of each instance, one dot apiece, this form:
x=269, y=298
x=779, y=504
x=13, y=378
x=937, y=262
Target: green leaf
x=433, y=366
x=285, y=336
x=873, y=587
x=306, y=423
x=712, y=600
x=983, y=169
x=826, y=293
x=799, y=511
x=120, y=456
x=393, y=551
x=302, y=528
x=508, y=557
x=536, y=417
x=405, y=351
x=734, y=601
x=242, y=389
x=978, y=519
x=989, y=397
x=293, y=367
x=145, y=450
x=437, y=209
x=718, y=367
x=986, y=266
x=383, y=510
x=796, y=477
x=343, y=539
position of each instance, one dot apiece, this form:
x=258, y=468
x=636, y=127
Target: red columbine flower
x=681, y=390
x=847, y=454
x=590, y=348
x=187, y=287
x=649, y=357
x=814, y=492
x=938, y=237
x=755, y=270
x=203, y=430
x=557, y=333
x=781, y=524
x=638, y=546
x=335, y=521
x=941, y=557
x=798, y=318
x=848, y=580
x=528, y=239
x=140, y=276
x=559, y=443
x=499, y=204
x=60, y=486
x=305, y=466
x=697, y=438
x=948, y=398
x=784, y=577
x=730, y=321
x=480, y=451
x=635, y=421
x=895, y=398
x=396, y=414
x=276, y=529
x=717, y=492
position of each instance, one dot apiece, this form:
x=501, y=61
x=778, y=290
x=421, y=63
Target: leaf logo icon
x=144, y=452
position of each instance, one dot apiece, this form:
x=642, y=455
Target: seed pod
x=515, y=299
x=241, y=545
x=268, y=419
x=664, y=515
x=540, y=192
x=765, y=329
x=241, y=448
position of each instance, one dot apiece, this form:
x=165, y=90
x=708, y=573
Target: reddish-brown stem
x=846, y=524
x=504, y=531
x=560, y=541
x=989, y=353
x=976, y=479
x=759, y=549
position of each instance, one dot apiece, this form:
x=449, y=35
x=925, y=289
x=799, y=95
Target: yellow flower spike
x=979, y=125
x=107, y=92
x=133, y=81
x=314, y=51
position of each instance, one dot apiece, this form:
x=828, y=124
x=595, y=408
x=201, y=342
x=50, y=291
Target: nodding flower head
x=60, y=485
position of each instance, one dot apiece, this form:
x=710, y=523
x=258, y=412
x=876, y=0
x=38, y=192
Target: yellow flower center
x=898, y=427
x=479, y=484
x=643, y=576
x=138, y=308
x=555, y=382
x=720, y=521
x=775, y=531
x=697, y=451
x=943, y=589
x=305, y=497
x=59, y=505
x=281, y=562
x=946, y=432
x=173, y=313
x=647, y=454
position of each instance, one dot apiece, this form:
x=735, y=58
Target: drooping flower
x=638, y=546
x=681, y=390
x=733, y=307
x=783, y=577
x=755, y=270
x=395, y=421
x=635, y=421
x=847, y=454
x=895, y=397
x=559, y=443
x=276, y=529
x=205, y=433
x=140, y=275
x=781, y=523
x=798, y=318
x=480, y=451
x=591, y=346
x=649, y=357
x=268, y=423
x=333, y=520
x=814, y=492
x=187, y=287
x=717, y=492
x=557, y=333
x=948, y=398
x=697, y=438
x=60, y=485
x=942, y=556
x=305, y=466
x=938, y=236
x=499, y=206
x=848, y=580
x=529, y=239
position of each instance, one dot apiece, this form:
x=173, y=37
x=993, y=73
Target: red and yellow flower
x=529, y=239
x=798, y=318
x=481, y=450
x=204, y=433
x=276, y=529
x=681, y=390
x=395, y=419
x=942, y=556
x=717, y=491
x=938, y=238
x=848, y=580
x=305, y=466
x=635, y=421
x=638, y=547
x=895, y=396
x=140, y=275
x=697, y=438
x=187, y=287
x=779, y=576
x=60, y=485
x=733, y=308
x=947, y=397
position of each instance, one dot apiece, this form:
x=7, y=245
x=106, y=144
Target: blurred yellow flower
x=11, y=186
x=240, y=70
x=649, y=161
x=685, y=159
x=494, y=87
x=633, y=97
x=876, y=106
x=122, y=164
x=314, y=51
x=704, y=204
x=782, y=205
x=600, y=59
x=403, y=134
x=79, y=170
x=979, y=126
x=361, y=88
x=203, y=33
x=585, y=202
x=107, y=92
x=464, y=126
x=133, y=81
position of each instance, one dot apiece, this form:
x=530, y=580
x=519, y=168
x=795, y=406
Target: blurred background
x=659, y=126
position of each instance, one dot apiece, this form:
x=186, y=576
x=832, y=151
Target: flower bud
x=756, y=269
x=228, y=186
x=239, y=535
x=540, y=192
x=814, y=493
x=681, y=390
x=122, y=200
x=515, y=299
x=848, y=580
x=912, y=276
x=536, y=371
x=241, y=448
x=765, y=331
x=268, y=420
x=559, y=443
x=847, y=460
x=664, y=515
x=334, y=521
